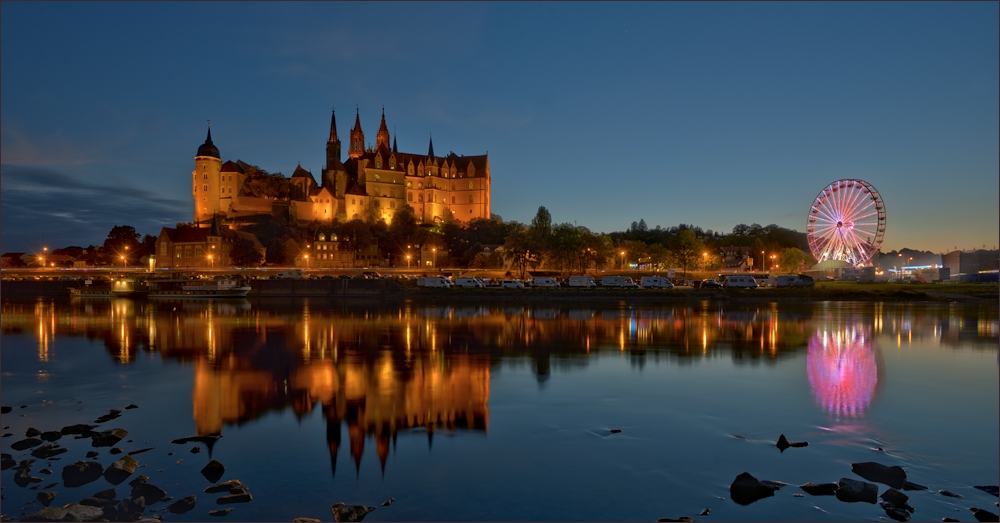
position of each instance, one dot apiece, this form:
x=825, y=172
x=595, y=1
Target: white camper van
x=434, y=281
x=546, y=282
x=582, y=281
x=469, y=283
x=655, y=282
x=617, y=281
x=740, y=280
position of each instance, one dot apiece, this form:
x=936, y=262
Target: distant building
x=15, y=259
x=961, y=262
x=199, y=246
x=373, y=182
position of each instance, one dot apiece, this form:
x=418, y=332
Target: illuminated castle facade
x=374, y=182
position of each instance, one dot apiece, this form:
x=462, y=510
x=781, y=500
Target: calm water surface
x=487, y=413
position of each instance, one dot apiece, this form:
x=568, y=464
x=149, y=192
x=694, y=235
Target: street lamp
x=623, y=259
x=435, y=251
x=211, y=260
x=407, y=261
x=307, y=261
x=773, y=257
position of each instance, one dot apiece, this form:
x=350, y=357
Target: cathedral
x=373, y=182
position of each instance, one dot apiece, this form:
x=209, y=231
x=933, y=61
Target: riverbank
x=391, y=288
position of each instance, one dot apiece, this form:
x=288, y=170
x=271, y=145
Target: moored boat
x=221, y=288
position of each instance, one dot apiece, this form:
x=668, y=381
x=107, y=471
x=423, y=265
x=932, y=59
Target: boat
x=221, y=288
x=96, y=289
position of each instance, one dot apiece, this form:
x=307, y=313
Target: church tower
x=333, y=144
x=357, y=147
x=382, y=138
x=205, y=180
x=334, y=177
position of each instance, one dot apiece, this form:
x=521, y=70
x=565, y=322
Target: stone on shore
x=388, y=502
x=112, y=414
x=213, y=471
x=82, y=430
x=852, y=491
x=949, y=493
x=226, y=486
x=7, y=461
x=820, y=489
x=81, y=473
x=909, y=485
x=783, y=443
x=108, y=438
x=682, y=518
x=220, y=513
x=182, y=505
x=45, y=498
x=305, y=520
x=984, y=515
x=32, y=432
x=992, y=490
x=131, y=406
x=747, y=489
x=47, y=514
x=347, y=513
x=51, y=435
x=46, y=451
x=893, y=476
x=195, y=449
x=243, y=497
x=25, y=444
x=150, y=492
x=106, y=494
x=895, y=512
x=5, y=409
x=897, y=498
x=140, y=451
x=120, y=470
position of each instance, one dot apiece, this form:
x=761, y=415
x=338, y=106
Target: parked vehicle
x=741, y=281
x=434, y=281
x=803, y=281
x=582, y=281
x=617, y=281
x=512, y=284
x=291, y=274
x=469, y=283
x=655, y=282
x=546, y=282
x=710, y=283
x=791, y=280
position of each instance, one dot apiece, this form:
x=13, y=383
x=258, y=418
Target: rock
x=32, y=432
x=23, y=476
x=47, y=514
x=51, y=435
x=112, y=414
x=949, y=493
x=106, y=494
x=746, y=489
x=5, y=409
x=776, y=485
x=682, y=518
x=344, y=512
x=220, y=513
x=614, y=431
x=81, y=473
x=388, y=502
x=182, y=505
x=46, y=451
x=25, y=444
x=45, y=497
x=94, y=502
x=115, y=450
x=7, y=461
x=305, y=520
x=120, y=470
x=820, y=489
x=909, y=485
x=243, y=497
x=984, y=515
x=213, y=471
x=6, y=435
x=226, y=486
x=150, y=492
x=131, y=406
x=950, y=519
x=992, y=490
x=851, y=491
x=892, y=476
x=93, y=454
x=82, y=430
x=797, y=495
x=705, y=511
x=897, y=498
x=83, y=512
x=141, y=480
x=207, y=439
x=895, y=512
x=108, y=437
x=783, y=443
x=196, y=449
x=140, y=451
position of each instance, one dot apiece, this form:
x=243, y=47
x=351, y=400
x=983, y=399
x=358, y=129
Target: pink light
x=843, y=371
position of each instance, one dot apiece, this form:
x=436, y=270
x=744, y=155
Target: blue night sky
x=711, y=114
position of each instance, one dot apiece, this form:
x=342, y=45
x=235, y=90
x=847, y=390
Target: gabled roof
x=12, y=254
x=302, y=173
x=232, y=167
x=355, y=190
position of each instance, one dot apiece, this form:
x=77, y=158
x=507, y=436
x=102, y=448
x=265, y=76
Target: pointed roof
x=302, y=173
x=394, y=149
x=231, y=167
x=214, y=230
x=357, y=119
x=208, y=148
x=430, y=149
x=333, y=127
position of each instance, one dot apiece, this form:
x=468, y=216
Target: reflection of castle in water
x=845, y=371
x=383, y=369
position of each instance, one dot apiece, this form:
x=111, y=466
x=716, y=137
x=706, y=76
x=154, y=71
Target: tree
x=687, y=248
x=244, y=253
x=541, y=232
x=658, y=256
x=567, y=243
x=355, y=236
x=517, y=247
x=121, y=239
x=792, y=258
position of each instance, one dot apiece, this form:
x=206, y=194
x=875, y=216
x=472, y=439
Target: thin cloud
x=51, y=150
x=45, y=206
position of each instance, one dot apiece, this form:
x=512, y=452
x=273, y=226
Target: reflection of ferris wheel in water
x=846, y=222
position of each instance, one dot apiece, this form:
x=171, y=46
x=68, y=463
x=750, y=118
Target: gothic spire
x=382, y=138
x=333, y=126
x=430, y=149
x=394, y=140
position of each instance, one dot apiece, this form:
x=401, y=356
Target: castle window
x=392, y=163
x=353, y=202
x=409, y=197
x=322, y=237
x=453, y=186
x=470, y=200
x=409, y=185
x=420, y=198
x=392, y=205
x=453, y=199
x=378, y=162
x=377, y=177
x=205, y=188
x=204, y=176
x=470, y=185
x=376, y=203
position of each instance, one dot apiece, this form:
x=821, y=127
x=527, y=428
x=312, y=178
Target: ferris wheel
x=846, y=222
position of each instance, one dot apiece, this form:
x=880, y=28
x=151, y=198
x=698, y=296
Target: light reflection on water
x=379, y=371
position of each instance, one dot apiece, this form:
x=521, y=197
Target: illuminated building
x=374, y=182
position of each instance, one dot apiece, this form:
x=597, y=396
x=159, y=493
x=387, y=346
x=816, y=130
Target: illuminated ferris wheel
x=847, y=223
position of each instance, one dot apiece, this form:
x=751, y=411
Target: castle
x=374, y=182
